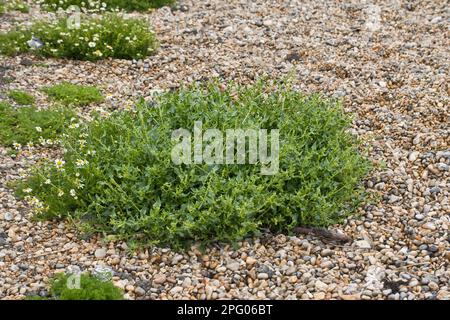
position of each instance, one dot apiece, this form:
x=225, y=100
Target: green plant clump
x=21, y=97
x=63, y=287
x=28, y=124
x=73, y=94
x=95, y=39
x=119, y=177
x=128, y=5
x=14, y=5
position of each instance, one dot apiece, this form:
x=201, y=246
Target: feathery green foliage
x=91, y=288
x=28, y=124
x=21, y=97
x=73, y=94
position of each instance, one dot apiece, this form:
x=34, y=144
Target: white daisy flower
x=59, y=163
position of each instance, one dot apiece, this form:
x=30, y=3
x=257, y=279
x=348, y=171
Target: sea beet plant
x=117, y=175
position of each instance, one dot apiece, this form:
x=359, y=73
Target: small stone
x=177, y=258
x=159, y=278
x=184, y=8
x=443, y=295
x=293, y=56
x=233, y=266
x=263, y=276
x=429, y=226
x=250, y=261
x=436, y=20
x=209, y=291
x=435, y=190
x=327, y=265
x=413, y=156
x=355, y=296
x=326, y=253
x=393, y=198
x=221, y=269
x=447, y=255
x=187, y=282
x=320, y=286
x=26, y=62
x=228, y=29
x=142, y=256
x=176, y=290
x=103, y=273
x=100, y=253
x=8, y=216
x=363, y=244
x=121, y=284
x=73, y=269
x=413, y=283
x=380, y=186
x=290, y=271
x=433, y=286
x=319, y=296
x=139, y=291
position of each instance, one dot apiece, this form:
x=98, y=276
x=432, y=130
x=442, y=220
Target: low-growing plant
x=117, y=175
x=73, y=94
x=96, y=38
x=13, y=5
x=21, y=97
x=91, y=288
x=19, y=126
x=128, y=5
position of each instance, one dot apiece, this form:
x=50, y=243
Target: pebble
x=159, y=279
x=263, y=276
x=363, y=244
x=429, y=226
x=233, y=266
x=187, y=282
x=290, y=271
x=326, y=253
x=8, y=216
x=320, y=286
x=100, y=253
x=250, y=261
x=139, y=291
x=413, y=156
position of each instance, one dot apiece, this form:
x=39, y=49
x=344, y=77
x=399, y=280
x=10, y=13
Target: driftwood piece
x=324, y=234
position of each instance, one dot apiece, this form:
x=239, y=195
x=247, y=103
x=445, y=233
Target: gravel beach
x=389, y=63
